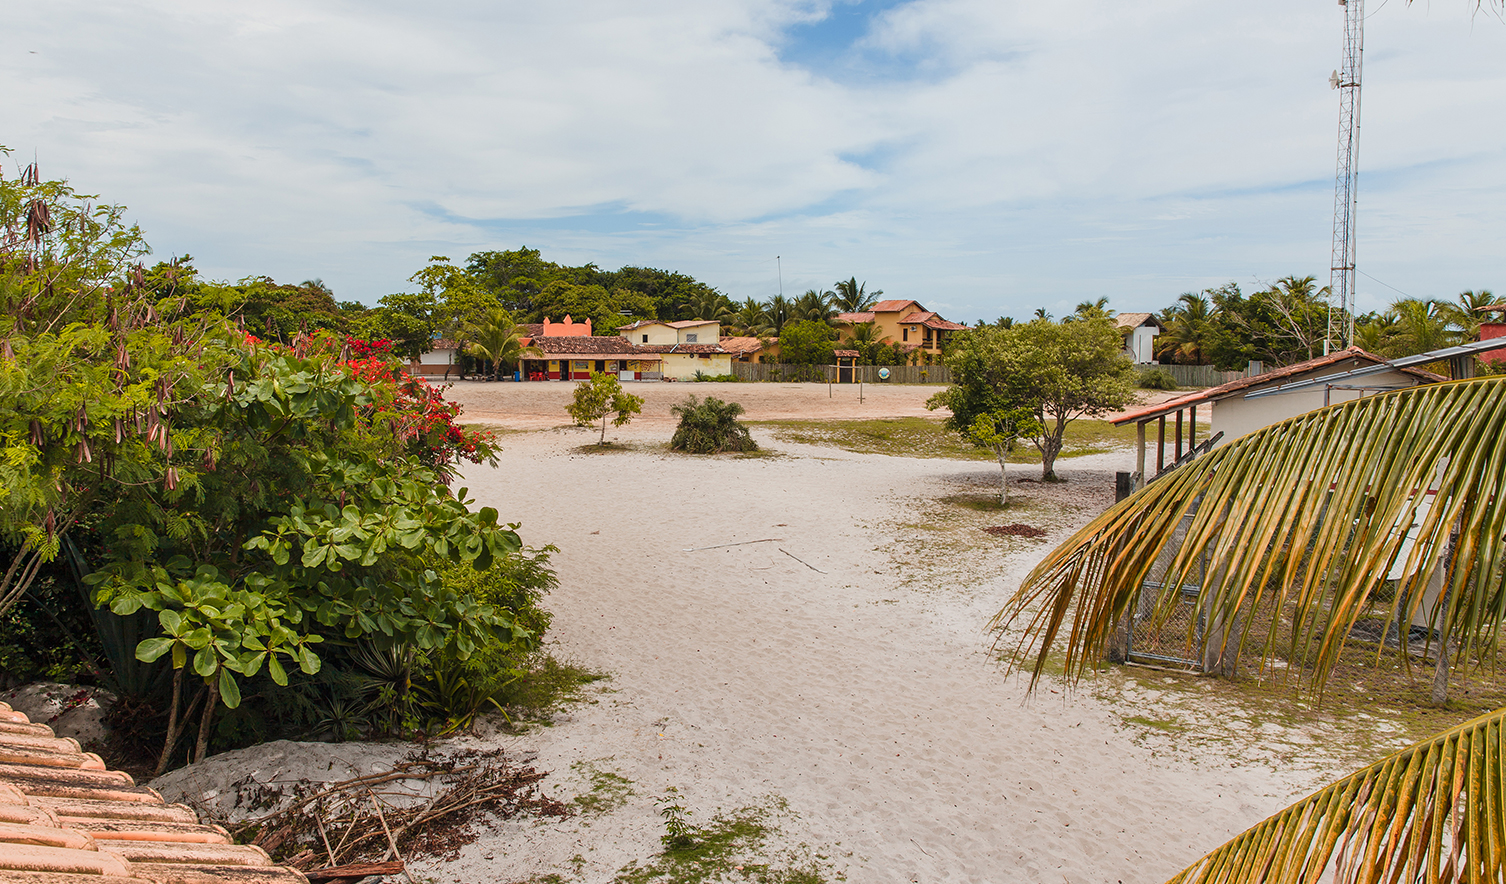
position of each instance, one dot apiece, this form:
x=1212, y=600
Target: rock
x=246, y=783
x=70, y=710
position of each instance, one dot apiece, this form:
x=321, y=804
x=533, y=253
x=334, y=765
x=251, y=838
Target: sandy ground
x=539, y=405
x=833, y=670
x=839, y=668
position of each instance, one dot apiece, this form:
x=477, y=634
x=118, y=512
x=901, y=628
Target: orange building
x=903, y=322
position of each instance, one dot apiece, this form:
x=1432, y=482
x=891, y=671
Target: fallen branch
x=739, y=543
x=802, y=561
x=356, y=870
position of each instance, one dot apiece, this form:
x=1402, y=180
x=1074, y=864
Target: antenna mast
x=1346, y=193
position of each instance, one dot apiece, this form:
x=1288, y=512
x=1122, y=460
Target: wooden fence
x=868, y=374
x=1202, y=375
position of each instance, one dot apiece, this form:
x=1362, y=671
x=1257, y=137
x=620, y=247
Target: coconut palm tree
x=750, y=319
x=1422, y=326
x=1376, y=332
x=1465, y=315
x=1339, y=514
x=852, y=296
x=815, y=305
x=497, y=338
x=1098, y=309
x=780, y=311
x=1189, y=329
x=709, y=305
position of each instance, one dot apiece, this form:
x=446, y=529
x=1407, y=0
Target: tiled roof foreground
x=66, y=819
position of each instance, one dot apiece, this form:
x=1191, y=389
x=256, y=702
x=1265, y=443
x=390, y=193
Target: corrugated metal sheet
x=66, y=819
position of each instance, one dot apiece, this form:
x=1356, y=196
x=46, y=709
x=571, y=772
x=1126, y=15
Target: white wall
x=1236, y=415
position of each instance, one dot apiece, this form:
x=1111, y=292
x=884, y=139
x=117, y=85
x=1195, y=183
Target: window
x=904, y=334
x=690, y=338
x=645, y=339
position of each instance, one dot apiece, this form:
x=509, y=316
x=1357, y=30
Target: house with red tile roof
x=904, y=322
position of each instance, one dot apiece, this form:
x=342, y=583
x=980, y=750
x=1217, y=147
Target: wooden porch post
x=1160, y=444
x=1140, y=454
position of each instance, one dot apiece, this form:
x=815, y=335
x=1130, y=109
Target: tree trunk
x=1443, y=621
x=1002, y=453
x=603, y=440
x=210, y=702
x=173, y=728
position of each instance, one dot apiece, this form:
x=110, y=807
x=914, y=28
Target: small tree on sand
x=710, y=427
x=1062, y=371
x=997, y=431
x=600, y=396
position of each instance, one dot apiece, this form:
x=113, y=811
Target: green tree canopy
x=1058, y=371
x=807, y=342
x=600, y=396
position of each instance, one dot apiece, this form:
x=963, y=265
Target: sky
x=985, y=157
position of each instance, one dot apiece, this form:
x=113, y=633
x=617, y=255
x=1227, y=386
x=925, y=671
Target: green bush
x=1157, y=379
x=703, y=377
x=710, y=427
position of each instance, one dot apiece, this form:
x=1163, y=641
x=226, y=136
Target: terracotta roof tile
x=741, y=344
x=595, y=345
x=1285, y=372
x=855, y=318
x=64, y=819
x=894, y=306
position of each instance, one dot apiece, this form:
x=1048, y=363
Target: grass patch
x=547, y=684
x=925, y=437
x=1166, y=725
x=609, y=789
x=607, y=448
x=731, y=847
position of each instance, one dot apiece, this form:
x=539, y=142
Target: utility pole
x=780, y=266
x=1346, y=191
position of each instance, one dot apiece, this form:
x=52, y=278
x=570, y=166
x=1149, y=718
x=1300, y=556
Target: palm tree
x=864, y=338
x=1376, y=332
x=1098, y=309
x=496, y=338
x=710, y=305
x=815, y=305
x=1189, y=328
x=852, y=297
x=1305, y=521
x=1422, y=326
x=1465, y=315
x=750, y=319
x=1431, y=812
x=779, y=311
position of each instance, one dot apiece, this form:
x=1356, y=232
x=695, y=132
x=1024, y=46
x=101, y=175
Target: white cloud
x=1000, y=156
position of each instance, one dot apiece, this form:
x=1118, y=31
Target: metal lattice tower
x=1346, y=194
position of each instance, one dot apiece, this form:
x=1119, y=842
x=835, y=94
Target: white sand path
x=868, y=704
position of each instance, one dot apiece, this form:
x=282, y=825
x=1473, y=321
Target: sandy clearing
x=833, y=671
x=539, y=405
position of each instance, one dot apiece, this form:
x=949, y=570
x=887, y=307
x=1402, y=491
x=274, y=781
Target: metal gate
x=1167, y=644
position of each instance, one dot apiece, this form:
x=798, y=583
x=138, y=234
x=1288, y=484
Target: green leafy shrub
x=703, y=377
x=1157, y=379
x=710, y=426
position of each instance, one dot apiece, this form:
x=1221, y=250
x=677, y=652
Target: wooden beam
x=1192, y=435
x=1179, y=435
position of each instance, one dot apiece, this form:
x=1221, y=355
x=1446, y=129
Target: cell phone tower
x=1345, y=192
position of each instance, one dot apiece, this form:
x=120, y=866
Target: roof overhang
x=1473, y=348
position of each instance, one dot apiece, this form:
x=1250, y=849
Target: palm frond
x=1308, y=516
x=1433, y=812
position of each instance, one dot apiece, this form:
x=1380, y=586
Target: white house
x=1139, y=331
